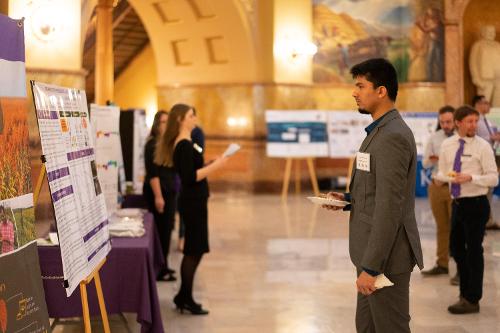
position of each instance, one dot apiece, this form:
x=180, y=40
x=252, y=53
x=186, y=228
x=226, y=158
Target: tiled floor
x=285, y=268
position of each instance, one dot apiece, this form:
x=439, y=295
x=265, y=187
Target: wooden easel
x=83, y=284
x=288, y=172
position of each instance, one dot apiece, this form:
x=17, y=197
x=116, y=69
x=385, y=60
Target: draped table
x=128, y=280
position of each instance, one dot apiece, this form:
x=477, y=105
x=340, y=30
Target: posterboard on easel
x=79, y=205
x=22, y=299
x=297, y=135
x=105, y=122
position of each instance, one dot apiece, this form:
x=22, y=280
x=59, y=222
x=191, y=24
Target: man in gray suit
x=383, y=234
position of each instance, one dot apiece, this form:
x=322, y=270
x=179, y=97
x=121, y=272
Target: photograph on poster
x=17, y=219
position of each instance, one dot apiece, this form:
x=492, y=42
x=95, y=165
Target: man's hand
x=462, y=178
x=336, y=196
x=366, y=283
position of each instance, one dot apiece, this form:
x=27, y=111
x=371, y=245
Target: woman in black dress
x=178, y=150
x=159, y=192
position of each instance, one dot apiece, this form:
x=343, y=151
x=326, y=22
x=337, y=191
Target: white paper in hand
x=233, y=148
x=382, y=281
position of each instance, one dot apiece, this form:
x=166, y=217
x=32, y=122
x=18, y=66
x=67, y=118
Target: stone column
x=104, y=66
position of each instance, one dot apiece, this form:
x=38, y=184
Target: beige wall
x=136, y=86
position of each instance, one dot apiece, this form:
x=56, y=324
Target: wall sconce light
x=46, y=20
x=288, y=47
x=237, y=121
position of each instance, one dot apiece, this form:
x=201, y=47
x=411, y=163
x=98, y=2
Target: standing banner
x=22, y=299
x=79, y=206
x=105, y=122
x=296, y=133
x=17, y=216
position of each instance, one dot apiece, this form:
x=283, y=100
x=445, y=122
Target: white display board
x=422, y=124
x=296, y=133
x=79, y=206
x=346, y=132
x=105, y=122
x=141, y=133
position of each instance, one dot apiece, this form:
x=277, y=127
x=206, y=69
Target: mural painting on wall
x=410, y=33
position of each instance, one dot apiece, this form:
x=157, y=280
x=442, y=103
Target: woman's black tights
x=188, y=269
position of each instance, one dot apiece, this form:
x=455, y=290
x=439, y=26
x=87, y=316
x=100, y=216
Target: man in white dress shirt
x=487, y=131
x=467, y=162
x=439, y=195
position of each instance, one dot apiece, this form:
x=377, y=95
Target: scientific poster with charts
x=296, y=133
x=422, y=124
x=346, y=132
x=105, y=122
x=79, y=206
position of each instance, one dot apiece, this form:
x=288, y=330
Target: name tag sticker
x=363, y=161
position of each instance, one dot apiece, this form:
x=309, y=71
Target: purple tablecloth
x=128, y=280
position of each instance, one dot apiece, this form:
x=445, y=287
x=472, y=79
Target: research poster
x=105, y=122
x=77, y=196
x=296, y=133
x=346, y=132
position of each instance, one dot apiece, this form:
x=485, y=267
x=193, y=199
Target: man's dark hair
x=380, y=72
x=476, y=99
x=464, y=111
x=446, y=108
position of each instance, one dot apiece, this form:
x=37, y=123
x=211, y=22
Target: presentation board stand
x=288, y=173
x=83, y=284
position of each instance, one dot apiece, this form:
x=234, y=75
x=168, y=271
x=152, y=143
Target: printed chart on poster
x=79, y=205
x=296, y=133
x=346, y=132
x=105, y=122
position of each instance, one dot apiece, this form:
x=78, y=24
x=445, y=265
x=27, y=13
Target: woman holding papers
x=177, y=149
x=159, y=192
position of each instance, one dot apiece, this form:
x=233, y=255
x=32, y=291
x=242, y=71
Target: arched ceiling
x=200, y=41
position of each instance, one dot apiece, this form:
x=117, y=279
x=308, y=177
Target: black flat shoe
x=170, y=271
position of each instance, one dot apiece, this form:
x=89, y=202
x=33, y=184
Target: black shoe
x=170, y=271
x=191, y=306
x=463, y=307
x=166, y=277
x=436, y=270
x=455, y=281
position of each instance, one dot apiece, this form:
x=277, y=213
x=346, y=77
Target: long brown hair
x=156, y=124
x=165, y=146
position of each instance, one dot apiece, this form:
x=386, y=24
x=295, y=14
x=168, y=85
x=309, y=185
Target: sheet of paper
x=231, y=149
x=79, y=206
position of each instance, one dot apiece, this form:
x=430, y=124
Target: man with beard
x=383, y=234
x=439, y=195
x=467, y=162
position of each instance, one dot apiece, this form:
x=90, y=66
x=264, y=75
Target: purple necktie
x=457, y=167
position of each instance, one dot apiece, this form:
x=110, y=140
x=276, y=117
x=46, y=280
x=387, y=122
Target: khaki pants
x=440, y=200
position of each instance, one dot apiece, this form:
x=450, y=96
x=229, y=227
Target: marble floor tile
x=284, y=268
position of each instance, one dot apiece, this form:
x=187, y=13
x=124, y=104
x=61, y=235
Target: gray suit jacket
x=383, y=234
